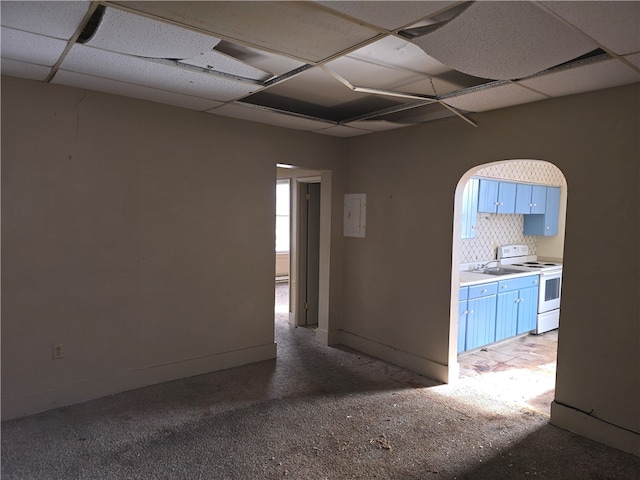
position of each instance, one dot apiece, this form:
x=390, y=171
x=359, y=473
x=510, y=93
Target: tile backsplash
x=530, y=171
x=494, y=230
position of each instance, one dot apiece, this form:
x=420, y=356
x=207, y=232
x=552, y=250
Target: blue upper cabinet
x=496, y=197
x=488, y=196
x=545, y=224
x=470, y=208
x=530, y=198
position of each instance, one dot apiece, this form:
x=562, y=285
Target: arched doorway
x=518, y=366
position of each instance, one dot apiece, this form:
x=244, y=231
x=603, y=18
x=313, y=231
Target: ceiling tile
x=634, y=59
x=597, y=18
x=54, y=19
x=79, y=80
x=257, y=114
x=378, y=125
x=299, y=29
x=594, y=76
x=124, y=32
x=138, y=71
x=495, y=97
x=24, y=70
x=342, y=131
x=480, y=42
x=389, y=15
x=31, y=48
x=223, y=63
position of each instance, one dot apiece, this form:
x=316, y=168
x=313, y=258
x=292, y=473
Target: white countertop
x=470, y=278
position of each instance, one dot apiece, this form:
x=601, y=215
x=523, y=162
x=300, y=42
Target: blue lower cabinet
x=462, y=325
x=507, y=315
x=490, y=312
x=481, y=315
x=527, y=310
x=462, y=318
x=481, y=321
x=517, y=306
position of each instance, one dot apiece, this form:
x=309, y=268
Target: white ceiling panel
x=31, y=48
x=377, y=125
x=54, y=19
x=596, y=18
x=504, y=40
x=223, y=63
x=138, y=71
x=389, y=15
x=24, y=70
x=299, y=29
x=79, y=80
x=496, y=97
x=634, y=59
x=342, y=131
x=124, y=32
x=595, y=76
x=261, y=115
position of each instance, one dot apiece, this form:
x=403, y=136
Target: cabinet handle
x=484, y=290
x=504, y=286
x=470, y=311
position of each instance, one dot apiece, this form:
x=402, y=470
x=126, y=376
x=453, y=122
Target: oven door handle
x=557, y=273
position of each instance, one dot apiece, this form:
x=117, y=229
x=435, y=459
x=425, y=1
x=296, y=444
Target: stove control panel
x=508, y=251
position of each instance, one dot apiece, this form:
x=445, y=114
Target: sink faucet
x=483, y=266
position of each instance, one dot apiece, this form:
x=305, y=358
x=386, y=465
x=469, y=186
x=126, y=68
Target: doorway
x=309, y=244
x=522, y=368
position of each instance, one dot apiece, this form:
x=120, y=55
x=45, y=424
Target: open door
x=310, y=252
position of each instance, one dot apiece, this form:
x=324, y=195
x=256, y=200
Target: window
x=283, y=197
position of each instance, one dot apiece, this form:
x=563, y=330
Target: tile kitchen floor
x=521, y=370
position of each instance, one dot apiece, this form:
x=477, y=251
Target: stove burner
x=532, y=263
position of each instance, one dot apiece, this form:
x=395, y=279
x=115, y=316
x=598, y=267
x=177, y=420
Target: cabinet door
x=507, y=315
x=470, y=208
x=488, y=196
x=506, y=197
x=539, y=199
x=527, y=309
x=481, y=322
x=545, y=224
x=523, y=198
x=552, y=211
x=462, y=325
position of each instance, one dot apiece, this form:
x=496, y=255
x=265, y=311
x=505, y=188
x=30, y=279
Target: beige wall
x=140, y=236
x=397, y=280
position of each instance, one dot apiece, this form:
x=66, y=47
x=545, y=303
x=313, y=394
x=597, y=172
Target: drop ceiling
x=336, y=68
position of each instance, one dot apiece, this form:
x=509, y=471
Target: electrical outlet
x=58, y=351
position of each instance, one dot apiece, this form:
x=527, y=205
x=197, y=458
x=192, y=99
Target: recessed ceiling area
x=335, y=68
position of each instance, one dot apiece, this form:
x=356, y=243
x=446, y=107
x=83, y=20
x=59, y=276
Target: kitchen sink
x=497, y=271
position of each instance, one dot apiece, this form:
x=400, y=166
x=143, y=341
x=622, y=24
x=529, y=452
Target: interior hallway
x=313, y=413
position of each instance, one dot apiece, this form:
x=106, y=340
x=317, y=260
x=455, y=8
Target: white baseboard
x=417, y=364
x=594, y=428
x=83, y=391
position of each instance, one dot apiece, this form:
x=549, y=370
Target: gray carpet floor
x=313, y=413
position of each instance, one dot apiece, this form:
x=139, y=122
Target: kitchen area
x=511, y=280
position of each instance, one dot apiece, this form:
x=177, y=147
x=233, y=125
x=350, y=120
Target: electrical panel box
x=355, y=214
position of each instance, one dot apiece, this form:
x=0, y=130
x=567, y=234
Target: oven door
x=550, y=287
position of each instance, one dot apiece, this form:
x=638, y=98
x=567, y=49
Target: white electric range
x=517, y=257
